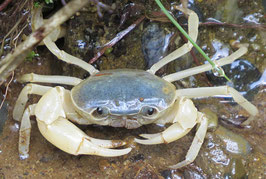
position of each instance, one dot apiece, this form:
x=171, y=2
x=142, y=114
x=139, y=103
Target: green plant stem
x=218, y=69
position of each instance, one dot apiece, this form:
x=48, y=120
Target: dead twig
x=12, y=60
x=15, y=39
x=4, y=4
x=7, y=86
x=11, y=31
x=157, y=16
x=118, y=37
x=161, y=17
x=19, y=8
x=243, y=26
x=100, y=6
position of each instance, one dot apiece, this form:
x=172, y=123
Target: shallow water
x=220, y=155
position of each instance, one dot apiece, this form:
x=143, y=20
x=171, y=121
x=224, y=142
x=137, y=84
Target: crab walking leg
x=221, y=90
x=67, y=80
x=62, y=55
x=185, y=119
x=199, y=69
x=37, y=21
x=51, y=117
x=23, y=98
x=24, y=132
x=193, y=23
x=196, y=143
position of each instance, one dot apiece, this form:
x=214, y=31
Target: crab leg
x=199, y=69
x=185, y=119
x=193, y=23
x=62, y=55
x=24, y=132
x=37, y=21
x=31, y=77
x=176, y=131
x=221, y=90
x=65, y=135
x=196, y=143
x=23, y=98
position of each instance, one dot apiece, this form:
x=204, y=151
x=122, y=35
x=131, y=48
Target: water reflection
x=253, y=18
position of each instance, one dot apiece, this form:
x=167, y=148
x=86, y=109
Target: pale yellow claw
x=50, y=114
x=69, y=138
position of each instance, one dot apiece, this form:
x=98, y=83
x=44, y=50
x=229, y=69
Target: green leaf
x=37, y=4
x=49, y=1
x=31, y=55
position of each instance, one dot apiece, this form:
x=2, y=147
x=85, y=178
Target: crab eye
x=149, y=111
x=100, y=112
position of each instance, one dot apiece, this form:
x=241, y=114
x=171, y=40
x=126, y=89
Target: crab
x=119, y=98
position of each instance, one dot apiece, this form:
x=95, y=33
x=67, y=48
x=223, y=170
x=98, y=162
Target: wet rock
x=3, y=115
x=254, y=18
x=167, y=174
x=246, y=78
x=212, y=119
x=155, y=43
x=189, y=174
x=172, y=174
x=222, y=153
x=236, y=170
x=234, y=143
x=221, y=49
x=212, y=158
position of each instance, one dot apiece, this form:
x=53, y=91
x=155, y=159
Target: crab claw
x=150, y=136
x=106, y=143
x=69, y=138
x=172, y=133
x=150, y=139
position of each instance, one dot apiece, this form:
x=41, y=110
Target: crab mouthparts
x=125, y=121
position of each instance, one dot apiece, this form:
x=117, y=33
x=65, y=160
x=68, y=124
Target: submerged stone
x=245, y=77
x=155, y=43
